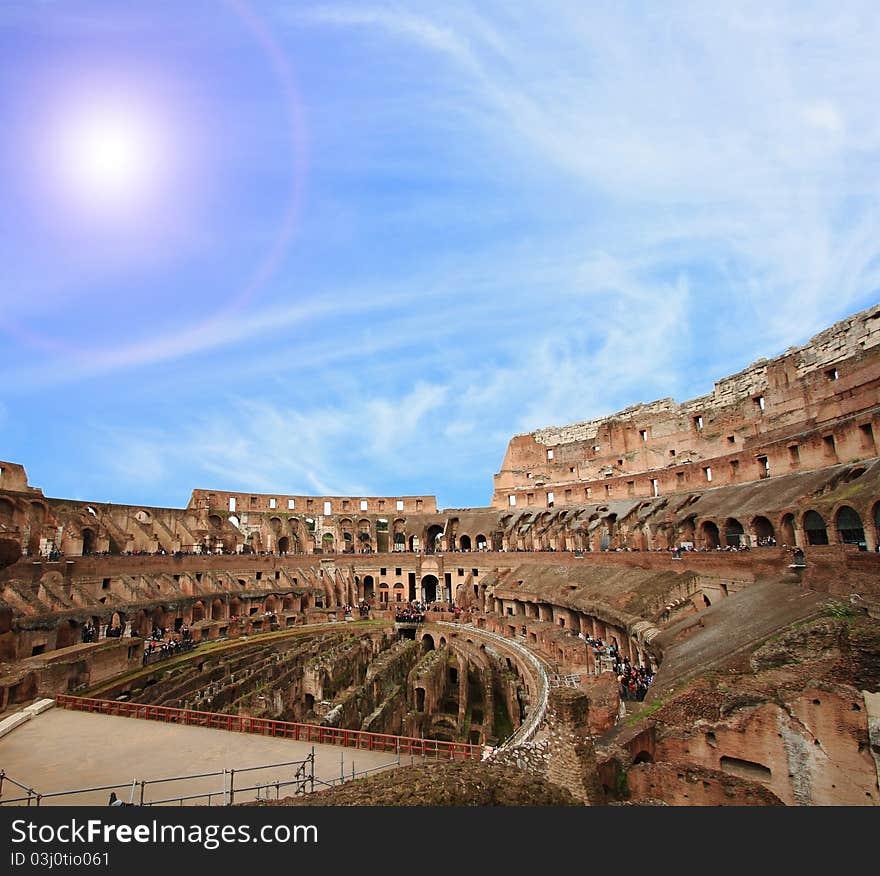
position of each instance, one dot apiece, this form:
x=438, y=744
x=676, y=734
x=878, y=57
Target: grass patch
x=647, y=711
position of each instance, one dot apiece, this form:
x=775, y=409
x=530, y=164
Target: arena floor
x=62, y=750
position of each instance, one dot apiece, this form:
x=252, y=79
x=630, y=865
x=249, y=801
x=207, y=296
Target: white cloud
x=825, y=116
x=701, y=122
x=681, y=185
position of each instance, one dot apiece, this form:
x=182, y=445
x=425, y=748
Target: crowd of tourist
x=411, y=613
x=91, y=633
x=633, y=681
x=163, y=643
x=414, y=612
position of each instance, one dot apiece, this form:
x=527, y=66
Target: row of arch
x=845, y=526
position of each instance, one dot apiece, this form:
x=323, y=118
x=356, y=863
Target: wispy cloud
x=746, y=136
x=260, y=445
x=521, y=215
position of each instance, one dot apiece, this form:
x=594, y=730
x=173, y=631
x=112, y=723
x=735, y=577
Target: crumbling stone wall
x=828, y=386
x=688, y=785
x=572, y=758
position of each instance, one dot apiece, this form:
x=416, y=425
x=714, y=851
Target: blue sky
x=366, y=243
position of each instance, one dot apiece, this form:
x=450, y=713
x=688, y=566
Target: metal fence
x=402, y=745
x=302, y=781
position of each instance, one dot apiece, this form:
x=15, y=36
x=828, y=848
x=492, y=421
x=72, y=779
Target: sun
x=108, y=157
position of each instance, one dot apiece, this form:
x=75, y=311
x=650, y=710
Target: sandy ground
x=62, y=750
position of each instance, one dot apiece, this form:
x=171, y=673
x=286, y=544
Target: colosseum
x=678, y=603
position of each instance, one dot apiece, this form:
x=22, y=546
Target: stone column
x=870, y=535
x=572, y=758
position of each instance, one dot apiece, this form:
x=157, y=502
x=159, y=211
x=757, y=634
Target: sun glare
x=108, y=157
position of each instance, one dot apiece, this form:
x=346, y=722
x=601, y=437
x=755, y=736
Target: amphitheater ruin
x=677, y=603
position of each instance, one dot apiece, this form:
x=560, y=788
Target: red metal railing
x=405, y=745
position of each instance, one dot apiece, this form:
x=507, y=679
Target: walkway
x=61, y=750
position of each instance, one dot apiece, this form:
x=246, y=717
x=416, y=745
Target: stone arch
x=464, y=543
x=481, y=542
x=427, y=643
x=7, y=510
x=89, y=541
x=687, y=529
x=159, y=616
x=369, y=586
x=364, y=535
x=284, y=544
x=66, y=634
x=198, y=611
x=36, y=515
x=815, y=529
x=140, y=624
x=786, y=530
x=297, y=535
x=235, y=607
x=430, y=586
x=734, y=532
x=763, y=528
x=398, y=534
x=269, y=603
x=328, y=543
x=850, y=529
x=433, y=535
x=709, y=534
x=276, y=529
x=663, y=537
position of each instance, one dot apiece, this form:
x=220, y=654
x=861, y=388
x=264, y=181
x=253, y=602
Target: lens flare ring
x=114, y=158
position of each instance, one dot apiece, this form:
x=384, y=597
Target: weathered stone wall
x=812, y=749
x=572, y=758
x=380, y=703
x=820, y=399
x=688, y=785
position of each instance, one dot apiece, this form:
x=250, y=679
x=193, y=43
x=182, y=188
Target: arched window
x=709, y=532
x=849, y=527
x=814, y=527
x=733, y=532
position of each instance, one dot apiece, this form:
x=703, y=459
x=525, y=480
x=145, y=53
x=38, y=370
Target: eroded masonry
x=679, y=602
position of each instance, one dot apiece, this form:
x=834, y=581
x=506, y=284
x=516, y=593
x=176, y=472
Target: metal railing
x=32, y=798
x=360, y=739
x=303, y=781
